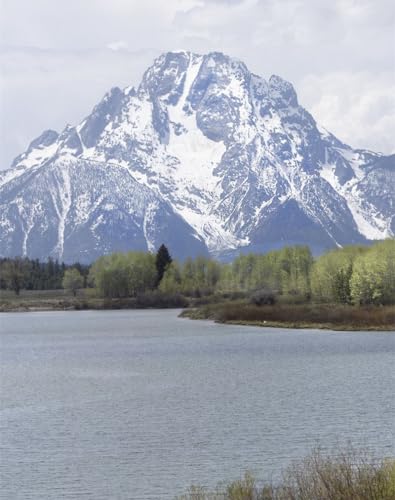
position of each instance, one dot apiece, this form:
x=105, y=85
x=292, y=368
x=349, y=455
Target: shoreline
x=301, y=316
x=78, y=307
x=212, y=313
x=304, y=326
x=187, y=313
x=55, y=300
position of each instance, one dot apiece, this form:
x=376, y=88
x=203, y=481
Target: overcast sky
x=58, y=58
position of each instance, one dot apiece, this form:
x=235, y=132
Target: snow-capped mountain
x=204, y=156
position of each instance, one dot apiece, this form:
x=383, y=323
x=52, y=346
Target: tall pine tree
x=162, y=262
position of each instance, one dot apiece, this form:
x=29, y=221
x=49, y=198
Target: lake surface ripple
x=140, y=404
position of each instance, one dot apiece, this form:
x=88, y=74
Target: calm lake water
x=140, y=404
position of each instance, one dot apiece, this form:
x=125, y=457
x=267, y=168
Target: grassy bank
x=216, y=308
x=348, y=476
x=60, y=300
x=329, y=316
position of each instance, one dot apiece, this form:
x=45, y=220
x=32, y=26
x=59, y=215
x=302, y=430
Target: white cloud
x=58, y=58
x=118, y=45
x=358, y=107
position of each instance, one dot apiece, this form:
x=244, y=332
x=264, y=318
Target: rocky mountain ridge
x=204, y=156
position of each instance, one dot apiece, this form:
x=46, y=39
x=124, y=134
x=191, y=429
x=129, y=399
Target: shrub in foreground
x=348, y=476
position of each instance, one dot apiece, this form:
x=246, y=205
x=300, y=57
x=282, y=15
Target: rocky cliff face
x=204, y=156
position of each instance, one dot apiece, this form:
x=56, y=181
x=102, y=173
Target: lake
x=140, y=404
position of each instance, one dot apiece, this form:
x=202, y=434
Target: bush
x=263, y=297
x=347, y=476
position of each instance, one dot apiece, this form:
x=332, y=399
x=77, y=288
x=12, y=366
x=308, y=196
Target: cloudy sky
x=59, y=57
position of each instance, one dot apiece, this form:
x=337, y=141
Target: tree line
x=30, y=274
x=351, y=275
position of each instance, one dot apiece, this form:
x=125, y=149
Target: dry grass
x=60, y=300
x=348, y=476
x=299, y=316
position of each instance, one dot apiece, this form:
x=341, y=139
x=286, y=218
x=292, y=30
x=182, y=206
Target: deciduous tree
x=72, y=280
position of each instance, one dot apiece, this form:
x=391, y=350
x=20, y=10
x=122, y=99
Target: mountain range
x=203, y=156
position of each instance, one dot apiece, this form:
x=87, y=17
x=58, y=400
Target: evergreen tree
x=162, y=262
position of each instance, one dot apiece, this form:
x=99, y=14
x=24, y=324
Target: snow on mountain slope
x=78, y=210
x=362, y=189
x=230, y=156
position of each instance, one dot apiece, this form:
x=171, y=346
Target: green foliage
x=193, y=278
x=244, y=489
x=13, y=274
x=171, y=281
x=285, y=271
x=72, y=280
x=351, y=275
x=331, y=274
x=341, y=285
x=31, y=274
x=124, y=274
x=373, y=277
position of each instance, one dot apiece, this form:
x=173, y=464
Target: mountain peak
x=46, y=138
x=202, y=150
